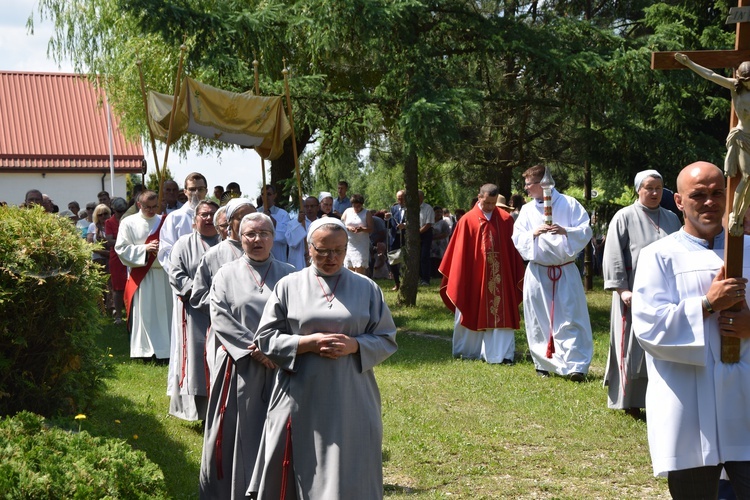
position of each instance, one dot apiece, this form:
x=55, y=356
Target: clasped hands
x=328, y=345
x=725, y=293
x=550, y=228
x=152, y=246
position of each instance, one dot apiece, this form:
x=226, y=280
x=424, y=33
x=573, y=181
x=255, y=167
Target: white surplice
x=152, y=303
x=571, y=330
x=282, y=219
x=178, y=223
x=296, y=238
x=698, y=408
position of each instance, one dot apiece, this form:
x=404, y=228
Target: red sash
x=138, y=273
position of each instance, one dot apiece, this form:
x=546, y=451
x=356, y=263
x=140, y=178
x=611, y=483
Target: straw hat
x=501, y=202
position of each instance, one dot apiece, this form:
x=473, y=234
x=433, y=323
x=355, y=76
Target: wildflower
x=117, y=421
x=80, y=417
x=135, y=436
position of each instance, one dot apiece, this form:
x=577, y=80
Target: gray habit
x=188, y=391
x=226, y=251
x=242, y=388
x=334, y=404
x=631, y=230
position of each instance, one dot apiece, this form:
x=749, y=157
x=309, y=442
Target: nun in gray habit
x=326, y=328
x=241, y=388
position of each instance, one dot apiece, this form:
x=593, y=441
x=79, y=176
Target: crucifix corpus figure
x=737, y=159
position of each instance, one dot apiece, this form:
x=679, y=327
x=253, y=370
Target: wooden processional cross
x=714, y=59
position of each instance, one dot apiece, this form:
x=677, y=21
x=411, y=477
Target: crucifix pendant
x=330, y=305
x=260, y=289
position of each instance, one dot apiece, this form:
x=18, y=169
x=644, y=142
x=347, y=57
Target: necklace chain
x=263, y=281
x=329, y=298
x=657, y=224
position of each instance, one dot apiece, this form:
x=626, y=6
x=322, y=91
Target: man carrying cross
x=698, y=407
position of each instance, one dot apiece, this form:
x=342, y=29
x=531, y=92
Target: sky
x=20, y=51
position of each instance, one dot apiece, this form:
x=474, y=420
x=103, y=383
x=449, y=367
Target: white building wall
x=62, y=187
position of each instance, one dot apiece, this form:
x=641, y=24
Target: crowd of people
x=246, y=355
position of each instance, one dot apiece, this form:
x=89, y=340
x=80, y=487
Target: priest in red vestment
x=482, y=282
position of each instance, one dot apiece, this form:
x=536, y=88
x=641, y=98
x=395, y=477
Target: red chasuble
x=483, y=272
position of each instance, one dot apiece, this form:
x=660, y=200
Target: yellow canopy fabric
x=244, y=119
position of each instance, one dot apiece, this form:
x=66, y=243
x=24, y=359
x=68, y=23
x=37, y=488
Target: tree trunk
x=407, y=294
x=588, y=252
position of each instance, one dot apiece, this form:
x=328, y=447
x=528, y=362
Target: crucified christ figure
x=738, y=140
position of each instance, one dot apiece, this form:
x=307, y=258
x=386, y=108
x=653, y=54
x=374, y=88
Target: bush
x=50, y=291
x=36, y=462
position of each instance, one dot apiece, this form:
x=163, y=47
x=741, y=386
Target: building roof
x=58, y=122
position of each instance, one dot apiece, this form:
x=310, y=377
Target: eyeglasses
x=150, y=208
x=529, y=184
x=263, y=235
x=325, y=253
x=196, y=189
x=206, y=215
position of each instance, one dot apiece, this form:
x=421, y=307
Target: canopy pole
x=177, y=86
x=262, y=162
x=139, y=63
x=285, y=72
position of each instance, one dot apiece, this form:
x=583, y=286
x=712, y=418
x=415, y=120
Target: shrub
x=49, y=315
x=37, y=462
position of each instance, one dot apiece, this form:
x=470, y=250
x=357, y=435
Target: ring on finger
x=731, y=321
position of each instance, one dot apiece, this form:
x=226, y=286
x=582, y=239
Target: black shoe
x=508, y=362
x=577, y=377
x=543, y=373
x=633, y=412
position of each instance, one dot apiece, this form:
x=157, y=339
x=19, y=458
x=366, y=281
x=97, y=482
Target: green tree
x=451, y=92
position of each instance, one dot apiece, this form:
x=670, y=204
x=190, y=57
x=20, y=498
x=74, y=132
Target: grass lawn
x=452, y=428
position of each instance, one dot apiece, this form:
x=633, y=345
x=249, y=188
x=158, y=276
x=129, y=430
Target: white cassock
x=698, y=408
x=150, y=325
x=177, y=224
x=281, y=217
x=552, y=270
x=296, y=237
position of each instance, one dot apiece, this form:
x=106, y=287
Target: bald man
x=698, y=408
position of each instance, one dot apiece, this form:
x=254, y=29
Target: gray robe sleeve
x=274, y=336
x=615, y=266
x=179, y=263
x=201, y=287
x=278, y=333
x=378, y=341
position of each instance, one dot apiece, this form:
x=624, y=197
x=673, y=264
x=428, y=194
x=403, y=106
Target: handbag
x=395, y=257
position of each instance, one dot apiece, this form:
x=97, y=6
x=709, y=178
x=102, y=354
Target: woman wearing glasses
x=324, y=419
x=244, y=376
